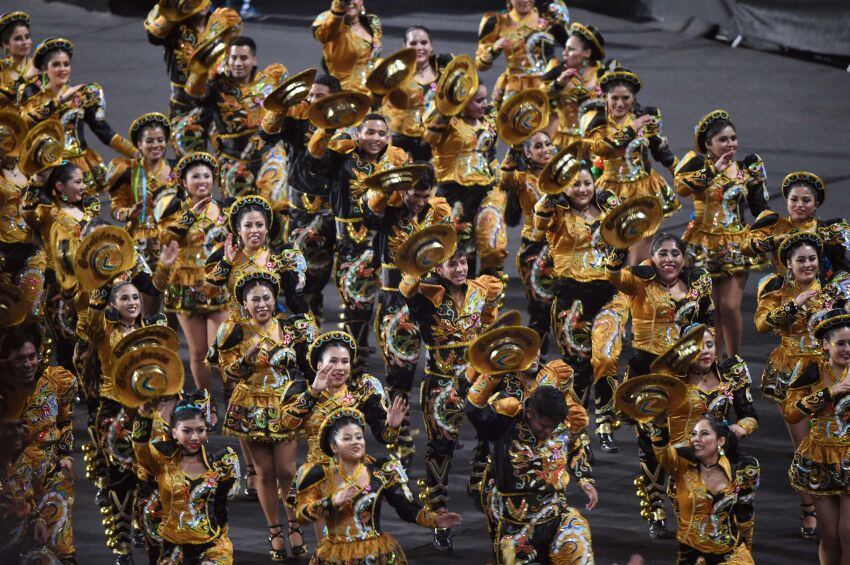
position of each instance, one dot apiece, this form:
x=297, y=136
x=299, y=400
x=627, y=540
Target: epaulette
x=747, y=471
x=155, y=320
x=832, y=222
x=556, y=373
x=216, y=256
x=643, y=272
x=433, y=292
x=397, y=156
x=118, y=167
x=443, y=59
x=392, y=469
x=690, y=162
x=166, y=448
x=309, y=476
x=224, y=459
x=229, y=335
x=765, y=219
x=64, y=381
x=805, y=378
x=172, y=206
x=342, y=145
x=442, y=208
x=491, y=286
x=276, y=72
x=768, y=284
x=597, y=120
x=488, y=24
x=735, y=370
x=605, y=200
x=374, y=23
x=506, y=405
x=369, y=385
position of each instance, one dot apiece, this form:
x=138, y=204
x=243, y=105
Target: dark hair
x=586, y=45
x=548, y=402
x=337, y=426
x=6, y=36
x=417, y=28
x=716, y=127
x=320, y=354
x=429, y=179
x=193, y=164
x=663, y=237
x=151, y=126
x=331, y=82
x=805, y=184
x=252, y=208
x=17, y=338
x=527, y=143
x=255, y=283
x=373, y=116
x=721, y=429
x=186, y=409
x=113, y=292
x=245, y=41
x=793, y=247
x=60, y=173
x=614, y=83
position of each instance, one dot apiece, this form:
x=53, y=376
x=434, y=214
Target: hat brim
x=124, y=368
x=629, y=222
x=485, y=359
x=506, y=125
x=92, y=277
x=339, y=110
x=679, y=356
x=645, y=398
x=378, y=82
x=445, y=103
x=290, y=92
x=406, y=256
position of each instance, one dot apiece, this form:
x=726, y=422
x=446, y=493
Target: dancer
x=351, y=42
x=16, y=67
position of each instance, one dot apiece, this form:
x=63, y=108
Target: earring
x=720, y=451
x=63, y=197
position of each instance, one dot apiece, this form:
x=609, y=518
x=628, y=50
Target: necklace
x=351, y=479
x=668, y=287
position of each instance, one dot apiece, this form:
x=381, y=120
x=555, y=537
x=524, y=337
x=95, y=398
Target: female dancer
x=264, y=351
x=789, y=306
x=137, y=186
x=625, y=135
x=351, y=42
x=346, y=489
x=821, y=396
x=719, y=185
x=16, y=67
x=404, y=107
x=715, y=487
x=193, y=485
x=574, y=81
x=196, y=222
x=588, y=316
x=73, y=107
x=664, y=297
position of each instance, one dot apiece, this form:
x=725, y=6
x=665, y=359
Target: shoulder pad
x=374, y=22
x=747, y=471
x=433, y=292
x=166, y=448
x=276, y=72
x=369, y=385
x=556, y=373
x=606, y=199
x=309, y=476
x=488, y=24
x=320, y=19
x=305, y=326
x=441, y=206
x=61, y=377
x=769, y=284
x=735, y=370
x=691, y=162
x=342, y=145
x=224, y=459
x=392, y=467
x=216, y=256
x=118, y=167
x=597, y=120
x=832, y=222
x=489, y=284
x=506, y=406
x=171, y=205
x=765, y=219
x=809, y=376
x=397, y=156
x=444, y=59
x=645, y=272
x=155, y=320
x=229, y=335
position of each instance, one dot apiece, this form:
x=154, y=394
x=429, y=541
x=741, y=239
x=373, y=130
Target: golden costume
x=13, y=76
x=348, y=57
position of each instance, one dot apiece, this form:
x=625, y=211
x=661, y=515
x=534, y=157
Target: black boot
x=443, y=540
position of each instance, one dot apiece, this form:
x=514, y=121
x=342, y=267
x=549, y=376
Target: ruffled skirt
x=721, y=254
x=255, y=415
x=382, y=550
x=652, y=184
x=821, y=469
x=780, y=369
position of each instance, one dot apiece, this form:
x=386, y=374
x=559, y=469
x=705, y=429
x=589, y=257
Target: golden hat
x=511, y=317
x=249, y=200
x=14, y=18
x=341, y=338
x=392, y=72
x=223, y=26
x=561, y=171
x=835, y=318
x=703, y=124
x=339, y=110
x=178, y=10
x=797, y=238
x=592, y=36
x=523, y=115
x=399, y=178
x=144, y=374
x=457, y=86
x=805, y=177
x=679, y=356
x=644, y=398
x=104, y=254
x=147, y=120
x=504, y=350
x=290, y=92
x=13, y=305
x=13, y=129
x=42, y=147
x=48, y=45
x=263, y=275
x=156, y=335
x=426, y=248
x=629, y=222
x=620, y=75
x=193, y=159
x=13, y=402
x=331, y=419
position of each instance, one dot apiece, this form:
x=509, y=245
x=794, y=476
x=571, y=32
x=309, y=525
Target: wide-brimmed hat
x=193, y=159
x=148, y=336
x=704, y=123
x=592, y=36
x=625, y=224
x=13, y=130
x=679, y=356
x=42, y=147
x=223, y=26
x=13, y=305
x=620, y=75
x=510, y=349
x=399, y=178
x=457, y=86
x=262, y=275
x=392, y=72
x=339, y=110
x=146, y=373
x=649, y=396
x=147, y=120
x=512, y=317
x=333, y=418
x=48, y=45
x=340, y=338
x=426, y=248
x=290, y=92
x=797, y=238
x=178, y=10
x=810, y=179
x=104, y=254
x=836, y=318
x=561, y=171
x=523, y=115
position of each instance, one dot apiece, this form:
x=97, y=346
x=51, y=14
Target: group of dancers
x=379, y=175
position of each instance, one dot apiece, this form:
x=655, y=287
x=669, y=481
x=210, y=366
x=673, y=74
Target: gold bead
x=644, y=504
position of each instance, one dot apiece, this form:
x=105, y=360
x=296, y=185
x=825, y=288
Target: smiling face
x=705, y=442
x=259, y=301
x=416, y=199
x=706, y=357
x=722, y=142
x=317, y=92
x=348, y=443
x=339, y=359
x=538, y=149
x=73, y=188
x=418, y=39
x=523, y=7
x=581, y=192
x=253, y=229
x=19, y=43
x=127, y=303
x=57, y=65
x=373, y=137
x=152, y=143
x=620, y=101
x=477, y=107
x=803, y=263
x=190, y=434
x=575, y=53
x=668, y=261
x=354, y=8
x=801, y=203
x=241, y=61
x=454, y=270
x=198, y=181
x=837, y=346
x=23, y=364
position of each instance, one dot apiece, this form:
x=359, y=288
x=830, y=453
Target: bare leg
x=285, y=465
x=844, y=528
x=730, y=291
x=716, y=297
x=195, y=329
x=829, y=550
x=264, y=462
x=798, y=432
x=250, y=479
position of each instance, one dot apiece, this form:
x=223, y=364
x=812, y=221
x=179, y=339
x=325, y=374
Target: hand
x=70, y=93
x=320, y=383
x=502, y=43
x=251, y=355
x=738, y=431
x=230, y=248
x=592, y=496
x=446, y=519
x=642, y=122
x=565, y=76
x=398, y=410
x=202, y=203
x=39, y=531
x=635, y=559
x=66, y=465
x=723, y=163
x=804, y=297
x=169, y=253
x=345, y=495
x=840, y=388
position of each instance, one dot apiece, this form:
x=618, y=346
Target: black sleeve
x=486, y=421
x=661, y=151
x=100, y=127
x=375, y=415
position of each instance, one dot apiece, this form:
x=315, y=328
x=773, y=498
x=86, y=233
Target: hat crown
x=148, y=381
x=651, y=401
x=507, y=355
